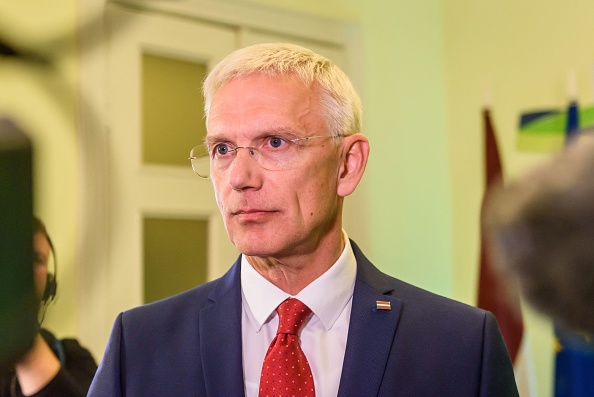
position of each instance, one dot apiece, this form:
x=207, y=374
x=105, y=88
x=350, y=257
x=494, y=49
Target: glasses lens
x=200, y=160
x=279, y=152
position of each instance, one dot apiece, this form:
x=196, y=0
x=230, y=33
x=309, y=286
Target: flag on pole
x=573, y=122
x=493, y=294
x=574, y=364
x=574, y=359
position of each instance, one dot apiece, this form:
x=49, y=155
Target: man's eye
x=221, y=149
x=38, y=260
x=276, y=142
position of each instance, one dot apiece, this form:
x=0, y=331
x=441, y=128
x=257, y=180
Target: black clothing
x=74, y=378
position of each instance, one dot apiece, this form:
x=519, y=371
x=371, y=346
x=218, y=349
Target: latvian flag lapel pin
x=383, y=305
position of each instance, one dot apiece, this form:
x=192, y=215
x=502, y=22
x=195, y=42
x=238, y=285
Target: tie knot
x=292, y=313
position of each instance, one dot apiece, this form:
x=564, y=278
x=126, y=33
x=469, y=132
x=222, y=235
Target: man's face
x=274, y=213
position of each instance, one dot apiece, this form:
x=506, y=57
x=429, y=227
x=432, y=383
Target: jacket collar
x=371, y=333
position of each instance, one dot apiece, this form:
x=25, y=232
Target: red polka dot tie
x=286, y=372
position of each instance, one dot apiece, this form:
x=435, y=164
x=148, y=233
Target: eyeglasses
x=273, y=153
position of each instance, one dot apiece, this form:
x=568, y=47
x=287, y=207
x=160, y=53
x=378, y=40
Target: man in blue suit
x=283, y=149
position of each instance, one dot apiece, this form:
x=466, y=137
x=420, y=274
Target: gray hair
x=340, y=103
x=541, y=227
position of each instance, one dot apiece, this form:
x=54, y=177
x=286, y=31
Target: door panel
x=155, y=66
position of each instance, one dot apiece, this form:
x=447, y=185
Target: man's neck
x=295, y=273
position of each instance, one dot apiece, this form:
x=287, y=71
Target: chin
x=253, y=248
x=257, y=245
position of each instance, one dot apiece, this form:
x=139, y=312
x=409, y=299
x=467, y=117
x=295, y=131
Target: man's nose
x=244, y=172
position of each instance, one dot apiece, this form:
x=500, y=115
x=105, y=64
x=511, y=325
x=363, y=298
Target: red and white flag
x=493, y=294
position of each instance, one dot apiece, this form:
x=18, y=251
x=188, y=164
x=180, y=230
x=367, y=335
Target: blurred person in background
x=541, y=227
x=52, y=367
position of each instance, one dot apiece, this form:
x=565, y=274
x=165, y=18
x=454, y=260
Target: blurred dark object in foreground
x=541, y=226
x=18, y=309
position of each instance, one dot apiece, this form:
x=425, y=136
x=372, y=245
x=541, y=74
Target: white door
x=141, y=186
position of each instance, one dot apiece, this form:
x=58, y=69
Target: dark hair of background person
x=541, y=228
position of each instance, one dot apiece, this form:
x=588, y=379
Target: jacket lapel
x=220, y=337
x=371, y=331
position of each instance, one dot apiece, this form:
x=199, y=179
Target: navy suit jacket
x=426, y=345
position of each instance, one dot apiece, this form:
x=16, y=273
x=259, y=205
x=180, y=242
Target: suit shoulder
x=408, y=291
x=413, y=298
x=427, y=304
x=437, y=312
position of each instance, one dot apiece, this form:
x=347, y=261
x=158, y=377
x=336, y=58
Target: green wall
x=404, y=118
x=522, y=53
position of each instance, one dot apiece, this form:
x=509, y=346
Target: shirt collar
x=326, y=296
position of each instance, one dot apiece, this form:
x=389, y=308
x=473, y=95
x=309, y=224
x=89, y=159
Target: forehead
x=258, y=102
x=41, y=243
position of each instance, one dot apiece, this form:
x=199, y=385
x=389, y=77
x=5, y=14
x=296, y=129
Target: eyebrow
x=209, y=140
x=212, y=139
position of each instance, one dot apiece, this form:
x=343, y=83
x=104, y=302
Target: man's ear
x=354, y=155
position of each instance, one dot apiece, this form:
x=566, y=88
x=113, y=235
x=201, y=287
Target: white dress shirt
x=323, y=337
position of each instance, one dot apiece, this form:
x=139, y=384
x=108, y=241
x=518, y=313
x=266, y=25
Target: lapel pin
x=383, y=305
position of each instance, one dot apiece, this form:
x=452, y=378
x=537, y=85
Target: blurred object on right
x=541, y=229
x=541, y=226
